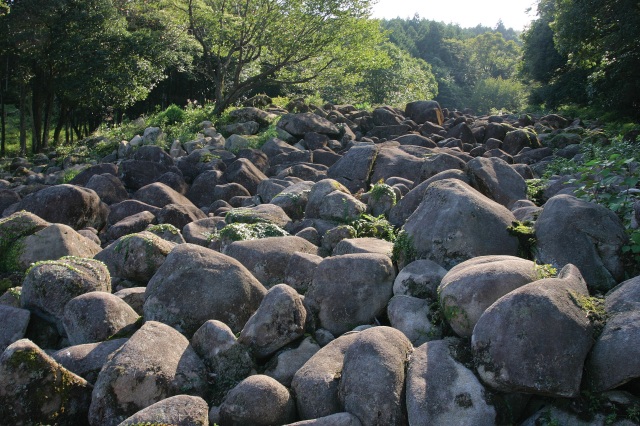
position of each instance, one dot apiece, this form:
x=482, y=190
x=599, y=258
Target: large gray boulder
x=438, y=163
x=455, y=223
x=350, y=290
x=442, y=391
x=353, y=169
x=50, y=285
x=338, y=419
x=51, y=243
x=258, y=400
x=393, y=161
x=410, y=202
x=14, y=324
x=420, y=279
x=159, y=195
x=624, y=297
x=471, y=287
x=243, y=172
x=615, y=357
x=179, y=410
x=71, y=205
x=108, y=187
x=87, y=360
x=96, y=316
x=542, y=348
x=279, y=320
x=423, y=111
x=34, y=389
x=299, y=124
x=159, y=363
x=376, y=361
x=588, y=235
x=316, y=383
x=496, y=179
x=285, y=364
x=196, y=284
x=414, y=317
x=136, y=257
x=267, y=258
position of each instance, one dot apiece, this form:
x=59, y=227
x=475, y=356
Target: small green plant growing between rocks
x=544, y=271
x=535, y=190
x=69, y=175
x=374, y=227
x=526, y=238
x=403, y=249
x=594, y=309
x=380, y=189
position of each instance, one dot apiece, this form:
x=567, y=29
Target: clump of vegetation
x=374, y=227
x=69, y=175
x=535, y=190
x=403, y=249
x=594, y=310
x=545, y=270
x=380, y=189
x=248, y=231
x=526, y=238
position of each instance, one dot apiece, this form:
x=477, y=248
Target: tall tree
x=249, y=43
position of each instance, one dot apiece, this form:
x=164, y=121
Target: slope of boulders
x=361, y=268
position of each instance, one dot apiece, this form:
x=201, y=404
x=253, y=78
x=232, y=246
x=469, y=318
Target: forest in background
x=69, y=66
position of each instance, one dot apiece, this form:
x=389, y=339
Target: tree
x=249, y=43
x=402, y=80
x=77, y=58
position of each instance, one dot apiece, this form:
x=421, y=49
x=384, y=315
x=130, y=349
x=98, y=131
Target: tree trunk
x=23, y=119
x=48, y=109
x=62, y=117
x=3, y=132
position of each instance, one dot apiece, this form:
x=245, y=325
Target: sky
x=466, y=13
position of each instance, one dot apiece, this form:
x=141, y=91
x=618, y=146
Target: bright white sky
x=466, y=13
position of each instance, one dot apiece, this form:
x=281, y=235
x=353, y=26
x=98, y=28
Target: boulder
x=243, y=172
x=14, y=325
x=227, y=361
x=258, y=400
x=394, y=162
x=34, y=389
x=300, y=270
x=179, y=410
x=420, y=279
x=350, y=290
x=624, y=297
x=588, y=235
x=201, y=191
x=442, y=391
x=496, y=179
x=87, y=360
x=353, y=169
x=179, y=215
x=455, y=223
x=414, y=317
x=376, y=361
x=138, y=173
x=130, y=225
x=293, y=199
x=97, y=316
x=133, y=296
x=423, y=111
x=51, y=243
x=267, y=258
x=85, y=175
x=515, y=140
x=48, y=286
x=299, y=124
x=338, y=419
x=438, y=163
x=71, y=205
x=159, y=363
x=284, y=364
x=363, y=245
x=135, y=257
x=263, y=213
x=316, y=383
x=200, y=231
x=278, y=321
x=615, y=357
x=410, y=202
x=159, y=195
x=108, y=187
x=469, y=288
x=196, y=284
x=128, y=208
x=542, y=349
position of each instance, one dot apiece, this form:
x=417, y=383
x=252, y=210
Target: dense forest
x=69, y=65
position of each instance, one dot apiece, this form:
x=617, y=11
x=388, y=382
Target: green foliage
x=374, y=227
x=526, y=238
x=249, y=231
x=172, y=115
x=70, y=174
x=378, y=190
x=497, y=94
x=535, y=189
x=544, y=271
x=594, y=310
x=403, y=249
